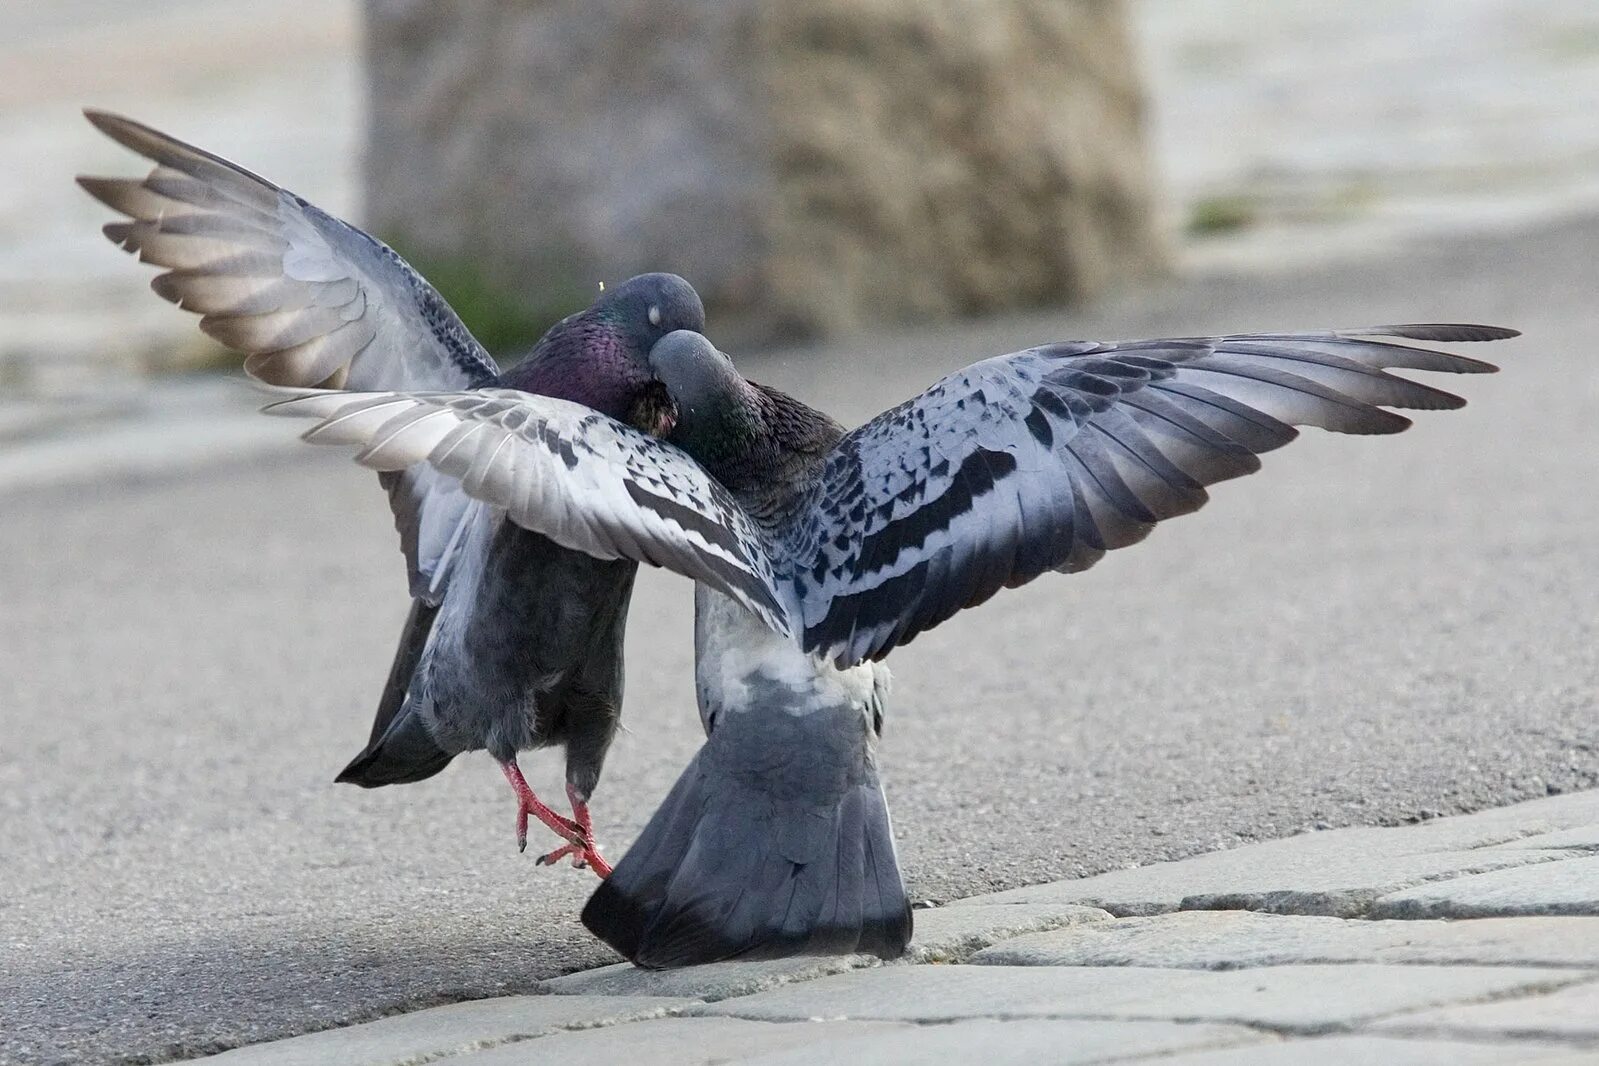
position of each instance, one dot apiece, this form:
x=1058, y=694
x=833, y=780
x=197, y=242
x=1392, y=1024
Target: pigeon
x=817, y=552
x=513, y=641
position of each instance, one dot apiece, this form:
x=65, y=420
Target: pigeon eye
x=655, y=315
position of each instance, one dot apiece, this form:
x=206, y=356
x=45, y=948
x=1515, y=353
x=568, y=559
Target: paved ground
x=1370, y=631
x=1467, y=940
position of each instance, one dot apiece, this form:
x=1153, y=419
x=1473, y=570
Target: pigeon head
x=600, y=356
x=715, y=412
x=646, y=308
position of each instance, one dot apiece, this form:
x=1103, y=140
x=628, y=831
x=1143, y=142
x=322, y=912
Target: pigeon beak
x=665, y=419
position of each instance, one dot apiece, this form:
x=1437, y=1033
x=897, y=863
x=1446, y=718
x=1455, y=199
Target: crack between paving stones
x=1527, y=991
x=1499, y=1037
x=933, y=1023
x=1359, y=912
x=1068, y=1016
x=1240, y=967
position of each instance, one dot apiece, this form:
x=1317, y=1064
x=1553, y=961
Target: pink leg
x=528, y=804
x=584, y=852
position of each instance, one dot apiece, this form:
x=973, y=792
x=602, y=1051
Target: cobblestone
x=1232, y=939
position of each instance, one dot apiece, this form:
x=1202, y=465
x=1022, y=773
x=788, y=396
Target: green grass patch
x=506, y=320
x=1221, y=214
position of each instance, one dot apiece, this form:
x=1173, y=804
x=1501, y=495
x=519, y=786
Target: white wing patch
x=585, y=481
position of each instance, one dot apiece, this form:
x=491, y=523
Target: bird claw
x=578, y=834
x=585, y=855
x=529, y=804
x=562, y=827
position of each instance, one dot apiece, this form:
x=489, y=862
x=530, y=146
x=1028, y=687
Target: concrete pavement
x=1370, y=631
x=1275, y=960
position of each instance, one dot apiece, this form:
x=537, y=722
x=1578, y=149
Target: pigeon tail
x=770, y=844
x=406, y=752
x=400, y=749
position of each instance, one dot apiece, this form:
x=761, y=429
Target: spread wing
x=309, y=300
x=1048, y=458
x=586, y=481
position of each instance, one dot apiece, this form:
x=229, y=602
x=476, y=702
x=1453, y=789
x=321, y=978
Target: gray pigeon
x=818, y=552
x=513, y=641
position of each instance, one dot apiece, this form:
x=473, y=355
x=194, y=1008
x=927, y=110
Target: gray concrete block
x=1580, y=838
x=679, y=1042
x=1570, y=887
x=715, y=981
x=1304, y=999
x=1575, y=810
x=445, y=1030
x=1233, y=939
x=1343, y=1050
x=1568, y=1014
x=1338, y=873
x=1007, y=1043
x=952, y=934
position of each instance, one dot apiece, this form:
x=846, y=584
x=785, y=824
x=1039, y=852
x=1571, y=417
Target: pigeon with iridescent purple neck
x=513, y=642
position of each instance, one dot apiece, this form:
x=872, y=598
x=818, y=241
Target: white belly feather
x=741, y=665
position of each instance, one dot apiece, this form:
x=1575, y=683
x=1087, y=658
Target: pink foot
x=528, y=804
x=584, y=852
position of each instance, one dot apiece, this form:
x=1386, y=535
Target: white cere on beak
x=655, y=315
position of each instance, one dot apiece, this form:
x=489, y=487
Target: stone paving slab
x=1338, y=872
x=677, y=1042
x=1382, y=1051
x=1009, y=1043
x=953, y=934
x=1498, y=825
x=448, y=1030
x=1570, y=887
x=1582, y=838
x=715, y=981
x=1233, y=939
x=1341, y=873
x=943, y=934
x=1568, y=1014
x=1304, y=999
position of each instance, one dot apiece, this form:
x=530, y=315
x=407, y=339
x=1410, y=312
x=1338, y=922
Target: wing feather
x=306, y=298
x=562, y=470
x=1048, y=458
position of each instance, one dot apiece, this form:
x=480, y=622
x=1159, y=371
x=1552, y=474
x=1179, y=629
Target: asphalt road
x=1369, y=631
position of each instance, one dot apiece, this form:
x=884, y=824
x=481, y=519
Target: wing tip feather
x=106, y=190
x=166, y=149
x=1443, y=332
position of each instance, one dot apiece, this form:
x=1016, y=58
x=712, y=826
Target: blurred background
x=521, y=153
x=197, y=613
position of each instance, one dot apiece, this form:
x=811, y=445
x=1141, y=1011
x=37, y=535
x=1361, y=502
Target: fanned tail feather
x=790, y=854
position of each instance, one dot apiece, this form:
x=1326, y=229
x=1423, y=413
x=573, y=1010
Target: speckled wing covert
x=584, y=480
x=308, y=299
x=1048, y=458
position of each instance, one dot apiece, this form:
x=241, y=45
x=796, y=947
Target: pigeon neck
x=720, y=424
x=781, y=453
x=585, y=361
